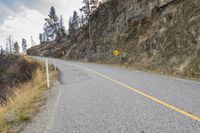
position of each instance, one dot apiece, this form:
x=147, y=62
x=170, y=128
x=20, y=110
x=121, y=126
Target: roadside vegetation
x=14, y=70
x=24, y=100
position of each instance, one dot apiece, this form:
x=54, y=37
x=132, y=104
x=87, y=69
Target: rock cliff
x=160, y=35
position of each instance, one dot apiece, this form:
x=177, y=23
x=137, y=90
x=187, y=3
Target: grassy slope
x=24, y=103
x=14, y=70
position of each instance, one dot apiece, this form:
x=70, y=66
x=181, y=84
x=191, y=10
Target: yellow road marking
x=150, y=97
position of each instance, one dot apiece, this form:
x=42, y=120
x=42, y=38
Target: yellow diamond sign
x=116, y=52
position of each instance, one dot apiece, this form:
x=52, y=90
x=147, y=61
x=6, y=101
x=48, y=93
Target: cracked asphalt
x=88, y=102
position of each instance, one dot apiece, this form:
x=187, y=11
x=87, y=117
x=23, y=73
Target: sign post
x=54, y=63
x=47, y=74
x=116, y=53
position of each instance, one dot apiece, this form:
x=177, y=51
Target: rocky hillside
x=157, y=35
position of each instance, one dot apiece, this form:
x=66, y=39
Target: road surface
x=97, y=98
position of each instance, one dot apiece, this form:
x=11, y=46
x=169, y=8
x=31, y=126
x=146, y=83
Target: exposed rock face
x=161, y=35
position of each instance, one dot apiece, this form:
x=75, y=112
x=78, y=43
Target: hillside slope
x=14, y=70
x=157, y=35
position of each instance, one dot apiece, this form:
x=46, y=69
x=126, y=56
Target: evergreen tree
x=89, y=6
x=40, y=38
x=53, y=24
x=71, y=27
x=52, y=14
x=75, y=20
x=61, y=22
x=86, y=8
x=1, y=50
x=82, y=20
x=53, y=28
x=24, y=45
x=16, y=48
x=93, y=4
x=73, y=23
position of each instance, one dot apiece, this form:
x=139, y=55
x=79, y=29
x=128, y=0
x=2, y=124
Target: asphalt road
x=97, y=98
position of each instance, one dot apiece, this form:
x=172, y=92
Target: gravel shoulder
x=42, y=119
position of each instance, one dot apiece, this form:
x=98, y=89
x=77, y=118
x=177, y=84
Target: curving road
x=97, y=98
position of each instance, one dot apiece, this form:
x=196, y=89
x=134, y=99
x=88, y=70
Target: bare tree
x=62, y=28
x=10, y=43
x=7, y=48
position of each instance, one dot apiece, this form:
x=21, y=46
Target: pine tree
x=73, y=26
x=1, y=50
x=53, y=23
x=53, y=29
x=82, y=20
x=40, y=38
x=16, y=48
x=24, y=45
x=89, y=6
x=52, y=14
x=86, y=8
x=75, y=20
x=61, y=22
x=73, y=23
x=93, y=4
x=70, y=26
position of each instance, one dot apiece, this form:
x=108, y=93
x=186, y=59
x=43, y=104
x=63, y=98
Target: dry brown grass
x=24, y=103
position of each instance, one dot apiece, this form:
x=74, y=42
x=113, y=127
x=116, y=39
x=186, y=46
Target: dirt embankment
x=14, y=70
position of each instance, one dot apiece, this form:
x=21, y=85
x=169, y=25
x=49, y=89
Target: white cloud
x=22, y=24
x=64, y=7
x=27, y=17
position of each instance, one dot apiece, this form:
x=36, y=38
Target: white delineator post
x=54, y=63
x=47, y=73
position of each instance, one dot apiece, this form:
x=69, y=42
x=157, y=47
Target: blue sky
x=6, y=2
x=23, y=18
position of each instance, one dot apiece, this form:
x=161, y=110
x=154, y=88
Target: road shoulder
x=41, y=121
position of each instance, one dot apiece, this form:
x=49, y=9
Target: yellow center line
x=150, y=97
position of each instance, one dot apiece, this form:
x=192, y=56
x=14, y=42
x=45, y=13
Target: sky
x=25, y=18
